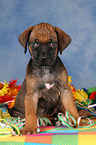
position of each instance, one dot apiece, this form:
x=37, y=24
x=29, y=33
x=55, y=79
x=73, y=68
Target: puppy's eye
x=52, y=43
x=34, y=43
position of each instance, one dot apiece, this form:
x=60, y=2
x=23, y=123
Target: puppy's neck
x=45, y=69
x=46, y=74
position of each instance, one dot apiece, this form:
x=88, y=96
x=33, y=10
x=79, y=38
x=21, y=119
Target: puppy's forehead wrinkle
x=44, y=31
x=44, y=28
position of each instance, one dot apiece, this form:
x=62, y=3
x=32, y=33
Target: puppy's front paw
x=27, y=130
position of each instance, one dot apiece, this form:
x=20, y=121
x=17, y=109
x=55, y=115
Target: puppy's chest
x=48, y=86
x=49, y=93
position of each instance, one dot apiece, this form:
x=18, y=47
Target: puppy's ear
x=24, y=37
x=63, y=39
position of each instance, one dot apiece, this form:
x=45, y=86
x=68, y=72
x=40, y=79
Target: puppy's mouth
x=43, y=61
x=44, y=65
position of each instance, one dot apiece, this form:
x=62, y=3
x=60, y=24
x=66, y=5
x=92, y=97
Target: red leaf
x=12, y=83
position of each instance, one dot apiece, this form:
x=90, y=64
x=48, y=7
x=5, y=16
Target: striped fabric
x=61, y=135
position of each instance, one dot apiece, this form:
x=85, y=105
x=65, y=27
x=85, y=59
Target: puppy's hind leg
x=19, y=109
x=16, y=113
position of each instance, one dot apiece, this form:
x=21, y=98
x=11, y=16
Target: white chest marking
x=48, y=86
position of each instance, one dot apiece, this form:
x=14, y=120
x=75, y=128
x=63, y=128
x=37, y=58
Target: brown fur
x=34, y=98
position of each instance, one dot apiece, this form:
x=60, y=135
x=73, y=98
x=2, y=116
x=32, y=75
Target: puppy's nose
x=43, y=58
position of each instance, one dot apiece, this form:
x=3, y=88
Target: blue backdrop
x=75, y=17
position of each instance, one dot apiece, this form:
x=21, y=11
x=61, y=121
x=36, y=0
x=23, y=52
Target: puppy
x=45, y=90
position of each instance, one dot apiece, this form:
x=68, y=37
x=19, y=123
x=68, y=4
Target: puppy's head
x=44, y=41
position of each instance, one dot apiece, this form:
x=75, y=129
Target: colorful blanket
x=60, y=136
x=50, y=135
